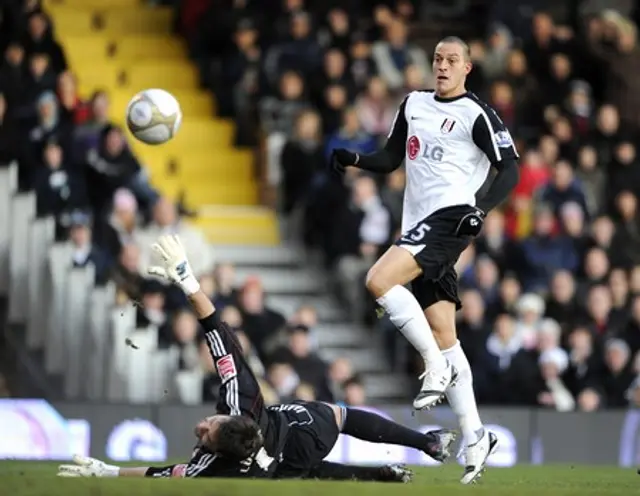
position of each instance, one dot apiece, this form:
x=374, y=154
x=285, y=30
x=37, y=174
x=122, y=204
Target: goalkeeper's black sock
x=339, y=472
x=376, y=429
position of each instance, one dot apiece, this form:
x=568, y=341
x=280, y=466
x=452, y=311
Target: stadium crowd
x=87, y=177
x=551, y=288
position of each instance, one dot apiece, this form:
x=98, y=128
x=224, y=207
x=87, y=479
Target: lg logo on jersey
x=433, y=153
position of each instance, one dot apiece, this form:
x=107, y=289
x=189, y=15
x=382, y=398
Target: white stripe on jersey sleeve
x=393, y=123
x=232, y=398
x=496, y=148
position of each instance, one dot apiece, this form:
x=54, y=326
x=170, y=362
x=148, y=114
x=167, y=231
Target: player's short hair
x=455, y=39
x=238, y=438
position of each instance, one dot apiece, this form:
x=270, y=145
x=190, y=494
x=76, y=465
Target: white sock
x=407, y=315
x=461, y=397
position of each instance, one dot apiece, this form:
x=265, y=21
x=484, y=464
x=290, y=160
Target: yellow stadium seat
x=224, y=165
x=228, y=162
x=158, y=20
x=85, y=49
x=198, y=194
x=93, y=4
x=219, y=218
x=169, y=75
x=227, y=174
x=162, y=155
x=201, y=134
x=222, y=162
x=140, y=47
x=239, y=236
x=199, y=162
x=195, y=103
x=71, y=21
x=91, y=77
x=238, y=226
x=209, y=192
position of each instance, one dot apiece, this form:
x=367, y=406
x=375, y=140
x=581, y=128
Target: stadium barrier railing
x=8, y=186
x=82, y=332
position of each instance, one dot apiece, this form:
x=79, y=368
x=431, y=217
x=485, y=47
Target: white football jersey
x=450, y=144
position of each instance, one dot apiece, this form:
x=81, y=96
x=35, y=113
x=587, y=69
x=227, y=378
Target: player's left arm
x=84, y=466
x=240, y=390
x=492, y=137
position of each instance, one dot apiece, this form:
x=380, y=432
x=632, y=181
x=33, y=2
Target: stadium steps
x=289, y=282
x=124, y=46
x=329, y=312
x=278, y=280
x=387, y=386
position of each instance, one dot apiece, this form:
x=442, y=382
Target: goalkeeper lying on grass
x=247, y=439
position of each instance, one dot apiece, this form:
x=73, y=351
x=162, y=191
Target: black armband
x=340, y=472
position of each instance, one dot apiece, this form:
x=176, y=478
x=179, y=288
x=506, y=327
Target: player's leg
x=340, y=472
x=386, y=281
x=441, y=303
x=371, y=427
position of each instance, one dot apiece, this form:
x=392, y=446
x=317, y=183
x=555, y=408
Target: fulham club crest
x=447, y=125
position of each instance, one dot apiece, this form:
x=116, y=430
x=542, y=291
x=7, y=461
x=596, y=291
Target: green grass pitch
x=36, y=479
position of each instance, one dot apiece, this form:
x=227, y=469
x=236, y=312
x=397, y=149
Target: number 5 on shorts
x=418, y=233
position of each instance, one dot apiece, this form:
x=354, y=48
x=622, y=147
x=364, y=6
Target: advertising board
x=38, y=430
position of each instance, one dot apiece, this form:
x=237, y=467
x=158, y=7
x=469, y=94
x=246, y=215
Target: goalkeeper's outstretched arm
x=84, y=466
x=239, y=391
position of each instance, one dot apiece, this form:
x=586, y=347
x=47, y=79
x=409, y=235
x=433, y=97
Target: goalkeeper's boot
x=395, y=473
x=476, y=456
x=439, y=444
x=434, y=384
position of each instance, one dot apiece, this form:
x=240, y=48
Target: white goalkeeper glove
x=88, y=467
x=175, y=266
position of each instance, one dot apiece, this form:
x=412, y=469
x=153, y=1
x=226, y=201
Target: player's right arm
x=239, y=392
x=386, y=160
x=84, y=466
x=492, y=137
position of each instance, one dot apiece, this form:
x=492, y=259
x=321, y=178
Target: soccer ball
x=154, y=116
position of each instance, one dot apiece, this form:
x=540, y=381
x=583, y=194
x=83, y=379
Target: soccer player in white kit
x=450, y=142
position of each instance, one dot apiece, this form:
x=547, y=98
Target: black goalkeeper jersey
x=240, y=395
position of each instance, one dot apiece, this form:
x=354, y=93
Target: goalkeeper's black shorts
x=312, y=435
